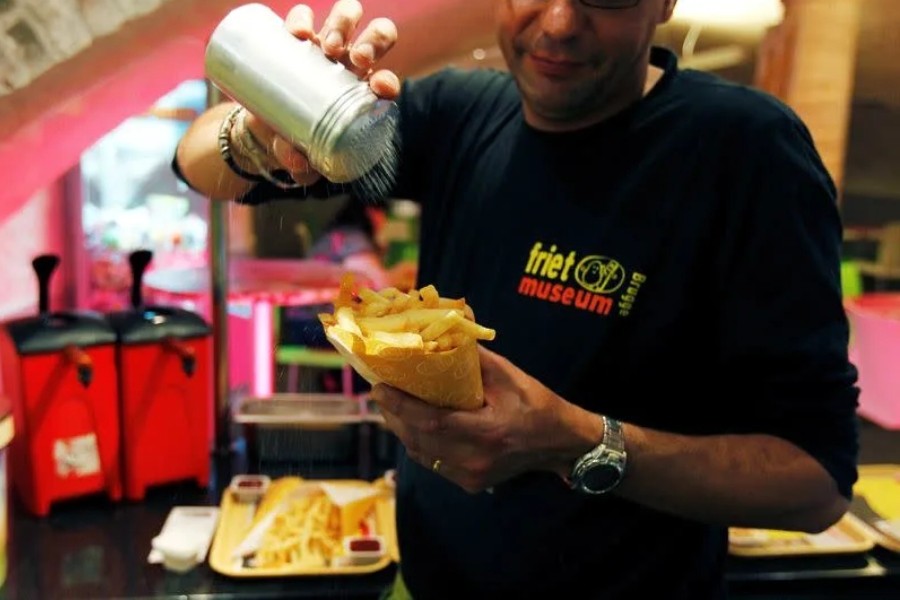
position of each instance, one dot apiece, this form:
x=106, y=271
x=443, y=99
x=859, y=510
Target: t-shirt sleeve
x=266, y=192
x=783, y=330
x=420, y=105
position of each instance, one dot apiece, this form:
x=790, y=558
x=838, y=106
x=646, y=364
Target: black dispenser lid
x=55, y=331
x=49, y=332
x=143, y=324
x=156, y=323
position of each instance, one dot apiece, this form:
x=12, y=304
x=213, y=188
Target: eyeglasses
x=603, y=4
x=610, y=4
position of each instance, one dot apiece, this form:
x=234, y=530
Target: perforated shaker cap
x=365, y=142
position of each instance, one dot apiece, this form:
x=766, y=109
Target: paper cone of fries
x=420, y=343
x=450, y=379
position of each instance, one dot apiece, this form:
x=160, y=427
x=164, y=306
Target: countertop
x=93, y=549
x=97, y=550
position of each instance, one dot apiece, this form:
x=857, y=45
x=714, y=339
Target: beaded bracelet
x=225, y=147
x=258, y=155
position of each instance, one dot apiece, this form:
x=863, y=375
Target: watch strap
x=609, y=454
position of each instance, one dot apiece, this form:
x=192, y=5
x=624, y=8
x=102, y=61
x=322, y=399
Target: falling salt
x=379, y=181
x=372, y=144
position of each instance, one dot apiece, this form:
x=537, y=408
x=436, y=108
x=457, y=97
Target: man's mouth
x=552, y=66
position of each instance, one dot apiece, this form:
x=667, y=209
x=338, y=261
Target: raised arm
x=199, y=157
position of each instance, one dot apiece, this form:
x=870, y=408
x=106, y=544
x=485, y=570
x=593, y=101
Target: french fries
x=305, y=524
x=305, y=535
x=420, y=320
x=419, y=341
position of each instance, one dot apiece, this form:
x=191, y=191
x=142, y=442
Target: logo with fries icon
x=599, y=274
x=593, y=283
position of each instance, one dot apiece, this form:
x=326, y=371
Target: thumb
x=494, y=368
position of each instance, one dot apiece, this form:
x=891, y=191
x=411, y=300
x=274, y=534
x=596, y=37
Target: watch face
x=600, y=478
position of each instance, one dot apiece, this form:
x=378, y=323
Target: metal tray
x=309, y=411
x=308, y=431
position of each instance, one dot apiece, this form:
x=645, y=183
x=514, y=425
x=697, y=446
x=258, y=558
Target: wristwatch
x=600, y=470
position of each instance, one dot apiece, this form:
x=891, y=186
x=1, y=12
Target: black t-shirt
x=675, y=267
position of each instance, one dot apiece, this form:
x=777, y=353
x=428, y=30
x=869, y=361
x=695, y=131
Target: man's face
x=570, y=60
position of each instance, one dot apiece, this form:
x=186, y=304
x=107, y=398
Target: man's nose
x=561, y=18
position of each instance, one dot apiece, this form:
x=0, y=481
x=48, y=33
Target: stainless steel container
x=316, y=434
x=320, y=106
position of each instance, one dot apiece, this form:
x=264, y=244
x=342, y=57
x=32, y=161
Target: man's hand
x=523, y=426
x=360, y=56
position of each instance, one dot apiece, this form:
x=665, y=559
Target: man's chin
x=554, y=108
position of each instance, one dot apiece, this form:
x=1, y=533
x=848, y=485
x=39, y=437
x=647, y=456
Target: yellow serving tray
x=880, y=486
x=237, y=518
x=847, y=536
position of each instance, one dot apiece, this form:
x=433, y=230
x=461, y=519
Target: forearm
x=740, y=480
x=200, y=161
x=733, y=480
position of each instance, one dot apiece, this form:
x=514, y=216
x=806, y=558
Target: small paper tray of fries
x=307, y=528
x=847, y=536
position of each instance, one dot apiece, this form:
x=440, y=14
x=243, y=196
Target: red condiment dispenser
x=165, y=390
x=59, y=371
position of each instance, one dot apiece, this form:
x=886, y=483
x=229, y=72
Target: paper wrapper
x=450, y=379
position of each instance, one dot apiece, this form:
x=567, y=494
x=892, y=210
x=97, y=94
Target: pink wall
x=37, y=226
x=46, y=126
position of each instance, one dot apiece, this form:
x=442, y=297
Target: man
x=658, y=252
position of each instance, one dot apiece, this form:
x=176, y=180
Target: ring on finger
x=436, y=465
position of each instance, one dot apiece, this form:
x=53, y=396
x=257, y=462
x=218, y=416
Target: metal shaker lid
x=367, y=140
x=355, y=137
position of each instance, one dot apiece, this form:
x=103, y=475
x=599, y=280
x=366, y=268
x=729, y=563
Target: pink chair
x=875, y=350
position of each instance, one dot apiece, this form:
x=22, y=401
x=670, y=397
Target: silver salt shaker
x=324, y=109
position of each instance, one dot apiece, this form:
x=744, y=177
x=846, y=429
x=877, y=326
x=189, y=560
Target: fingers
x=337, y=31
x=283, y=155
x=418, y=446
x=335, y=37
x=420, y=423
x=465, y=465
x=299, y=21
x=465, y=442
x=372, y=44
x=292, y=159
x=411, y=411
x=385, y=84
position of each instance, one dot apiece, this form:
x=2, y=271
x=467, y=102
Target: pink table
x=260, y=283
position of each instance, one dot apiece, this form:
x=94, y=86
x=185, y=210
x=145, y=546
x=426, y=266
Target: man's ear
x=668, y=10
